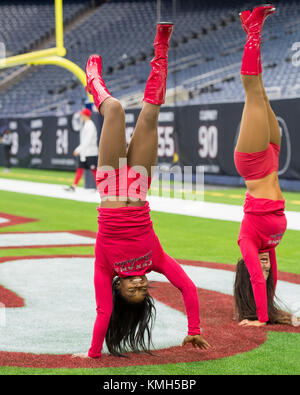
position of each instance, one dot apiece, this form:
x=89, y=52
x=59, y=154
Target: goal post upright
x=59, y=28
x=53, y=56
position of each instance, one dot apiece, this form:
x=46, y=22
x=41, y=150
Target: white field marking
x=2, y=315
x=225, y=212
x=41, y=239
x=3, y=220
x=49, y=190
x=59, y=311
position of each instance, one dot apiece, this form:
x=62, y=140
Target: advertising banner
x=197, y=135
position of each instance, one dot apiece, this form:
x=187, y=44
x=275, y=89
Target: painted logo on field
x=11, y=220
x=58, y=311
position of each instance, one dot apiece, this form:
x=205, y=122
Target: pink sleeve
x=250, y=255
x=273, y=262
x=177, y=276
x=103, y=292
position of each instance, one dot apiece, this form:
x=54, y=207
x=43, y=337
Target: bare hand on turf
x=252, y=323
x=81, y=355
x=196, y=341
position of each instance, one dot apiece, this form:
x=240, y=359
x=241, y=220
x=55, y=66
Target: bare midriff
x=265, y=188
x=116, y=202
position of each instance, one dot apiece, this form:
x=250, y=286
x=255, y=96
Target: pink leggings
x=125, y=182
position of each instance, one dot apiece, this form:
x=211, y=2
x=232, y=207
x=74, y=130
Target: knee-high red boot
x=95, y=84
x=252, y=23
x=156, y=85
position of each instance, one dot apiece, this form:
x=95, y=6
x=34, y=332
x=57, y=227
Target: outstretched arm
x=250, y=254
x=104, y=302
x=103, y=292
x=177, y=276
x=273, y=261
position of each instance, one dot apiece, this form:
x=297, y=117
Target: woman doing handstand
x=257, y=160
x=127, y=247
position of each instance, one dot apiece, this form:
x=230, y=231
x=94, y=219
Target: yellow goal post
x=53, y=56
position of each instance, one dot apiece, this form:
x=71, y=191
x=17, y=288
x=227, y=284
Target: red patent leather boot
x=252, y=23
x=244, y=15
x=156, y=85
x=95, y=84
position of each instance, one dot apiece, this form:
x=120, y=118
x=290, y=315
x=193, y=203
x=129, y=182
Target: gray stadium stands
x=204, y=60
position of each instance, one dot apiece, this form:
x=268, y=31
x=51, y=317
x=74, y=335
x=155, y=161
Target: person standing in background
x=87, y=150
x=6, y=140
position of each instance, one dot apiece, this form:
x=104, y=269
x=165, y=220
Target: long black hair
x=130, y=324
x=245, y=306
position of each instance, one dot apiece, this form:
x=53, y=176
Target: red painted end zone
x=217, y=322
x=14, y=220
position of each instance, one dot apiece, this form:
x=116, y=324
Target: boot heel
x=88, y=90
x=244, y=15
x=165, y=23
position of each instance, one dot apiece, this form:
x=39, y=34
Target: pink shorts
x=125, y=182
x=253, y=166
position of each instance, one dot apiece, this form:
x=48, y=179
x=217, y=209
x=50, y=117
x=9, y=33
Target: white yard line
x=43, y=239
x=225, y=212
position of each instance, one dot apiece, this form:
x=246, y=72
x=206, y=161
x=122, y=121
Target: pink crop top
x=262, y=229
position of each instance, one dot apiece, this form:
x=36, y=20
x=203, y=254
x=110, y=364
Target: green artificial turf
x=268, y=359
x=182, y=237
x=46, y=176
